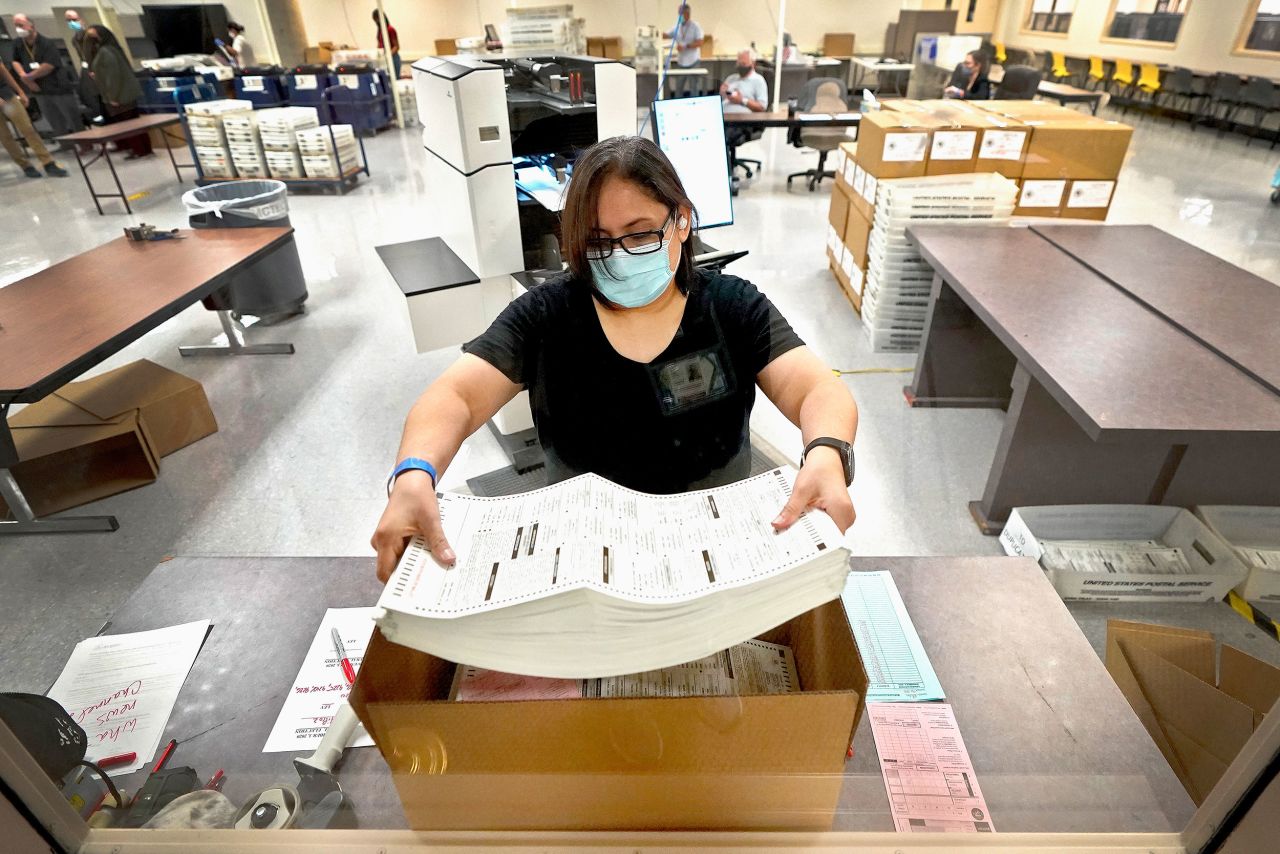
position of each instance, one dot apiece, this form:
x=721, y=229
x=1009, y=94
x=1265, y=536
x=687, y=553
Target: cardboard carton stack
x=104, y=435
x=278, y=128
x=205, y=123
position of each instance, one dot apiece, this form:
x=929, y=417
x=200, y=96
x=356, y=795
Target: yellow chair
x=1060, y=71
x=1149, y=78
x=1122, y=79
x=1097, y=73
x=1000, y=55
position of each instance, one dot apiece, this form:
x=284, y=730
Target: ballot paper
x=320, y=688
x=751, y=667
x=121, y=688
x=898, y=670
x=585, y=578
x=1140, y=557
x=927, y=772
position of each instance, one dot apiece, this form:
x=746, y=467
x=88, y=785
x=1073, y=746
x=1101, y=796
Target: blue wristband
x=410, y=464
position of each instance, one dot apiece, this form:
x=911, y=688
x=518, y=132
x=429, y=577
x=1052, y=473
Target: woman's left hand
x=820, y=484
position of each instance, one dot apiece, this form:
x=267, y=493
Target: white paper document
x=320, y=687
x=121, y=688
x=1130, y=557
x=898, y=670
x=927, y=772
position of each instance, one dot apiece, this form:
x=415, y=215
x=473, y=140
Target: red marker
x=347, y=670
x=119, y=759
x=164, y=757
x=215, y=782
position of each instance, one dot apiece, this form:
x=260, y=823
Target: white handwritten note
x=121, y=688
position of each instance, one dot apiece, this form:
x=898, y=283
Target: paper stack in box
x=895, y=300
x=277, y=127
x=408, y=96
x=206, y=122
x=328, y=152
x=241, y=130
x=1254, y=534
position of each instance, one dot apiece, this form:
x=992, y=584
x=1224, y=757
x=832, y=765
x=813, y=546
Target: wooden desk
x=1055, y=745
x=102, y=137
x=1064, y=95
x=1111, y=401
x=60, y=322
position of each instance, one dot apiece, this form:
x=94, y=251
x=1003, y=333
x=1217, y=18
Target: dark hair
x=632, y=158
x=105, y=38
x=232, y=25
x=981, y=60
x=386, y=19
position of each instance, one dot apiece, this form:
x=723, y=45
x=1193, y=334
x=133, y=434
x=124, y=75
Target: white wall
x=734, y=23
x=1208, y=36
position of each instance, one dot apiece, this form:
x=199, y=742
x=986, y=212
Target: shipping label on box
x=850, y=170
x=869, y=187
x=304, y=81
x=1090, y=194
x=1041, y=194
x=953, y=144
x=905, y=148
x=1002, y=144
x=351, y=81
x=847, y=265
x=251, y=84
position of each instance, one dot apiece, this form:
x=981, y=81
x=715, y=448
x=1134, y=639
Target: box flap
x=1121, y=671
x=1189, y=649
x=1198, y=769
x=53, y=411
x=129, y=387
x=1254, y=683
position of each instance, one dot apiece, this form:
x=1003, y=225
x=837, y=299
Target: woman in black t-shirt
x=639, y=367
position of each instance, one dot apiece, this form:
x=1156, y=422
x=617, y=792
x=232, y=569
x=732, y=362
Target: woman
x=394, y=38
x=116, y=84
x=240, y=49
x=640, y=368
x=969, y=80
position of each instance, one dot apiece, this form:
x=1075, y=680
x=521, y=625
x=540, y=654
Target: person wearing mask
x=688, y=38
x=969, y=80
x=117, y=84
x=240, y=49
x=744, y=91
x=640, y=367
x=86, y=90
x=393, y=37
x=13, y=103
x=40, y=68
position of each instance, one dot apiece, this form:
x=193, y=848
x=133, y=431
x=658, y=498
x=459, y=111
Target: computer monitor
x=691, y=133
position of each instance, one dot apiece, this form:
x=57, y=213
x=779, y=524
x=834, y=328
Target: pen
x=118, y=759
x=164, y=757
x=215, y=782
x=347, y=670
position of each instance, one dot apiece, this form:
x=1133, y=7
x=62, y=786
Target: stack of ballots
x=278, y=128
x=328, y=152
x=205, y=123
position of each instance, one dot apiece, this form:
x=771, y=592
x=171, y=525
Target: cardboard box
x=1038, y=197
x=1215, y=568
x=1082, y=149
x=609, y=47
x=852, y=292
x=1247, y=529
x=893, y=144
x=446, y=47
x=841, y=202
x=1023, y=110
x=1198, y=714
x=649, y=763
x=318, y=54
x=70, y=457
x=856, y=234
x=173, y=408
x=1088, y=199
x=837, y=44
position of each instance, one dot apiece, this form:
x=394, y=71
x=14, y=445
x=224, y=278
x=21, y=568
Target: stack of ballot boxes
x=206, y=126
x=277, y=129
x=328, y=152
x=241, y=130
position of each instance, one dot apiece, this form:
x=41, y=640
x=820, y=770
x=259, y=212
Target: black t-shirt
x=61, y=80
x=677, y=423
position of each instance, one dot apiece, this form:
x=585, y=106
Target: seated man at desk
x=744, y=91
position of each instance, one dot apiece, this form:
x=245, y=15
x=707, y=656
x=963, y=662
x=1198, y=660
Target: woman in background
x=394, y=38
x=969, y=80
x=116, y=84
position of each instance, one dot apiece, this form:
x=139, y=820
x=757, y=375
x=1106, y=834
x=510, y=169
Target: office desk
x=102, y=137
x=1054, y=743
x=61, y=321
x=782, y=119
x=1064, y=95
x=1114, y=400
x=899, y=71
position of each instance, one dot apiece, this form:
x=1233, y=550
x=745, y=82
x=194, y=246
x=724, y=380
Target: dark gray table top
x=1120, y=369
x=1055, y=745
x=426, y=265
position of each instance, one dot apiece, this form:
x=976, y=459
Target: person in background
x=40, y=68
x=969, y=80
x=394, y=37
x=688, y=39
x=13, y=103
x=744, y=91
x=117, y=84
x=240, y=49
x=86, y=89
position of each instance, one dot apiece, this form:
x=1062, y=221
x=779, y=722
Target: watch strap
x=841, y=447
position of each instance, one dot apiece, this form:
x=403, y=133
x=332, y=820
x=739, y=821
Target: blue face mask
x=75, y=25
x=632, y=281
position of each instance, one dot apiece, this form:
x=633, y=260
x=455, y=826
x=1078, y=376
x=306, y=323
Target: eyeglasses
x=636, y=243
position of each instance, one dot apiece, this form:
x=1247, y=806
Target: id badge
x=692, y=380
x=33, y=65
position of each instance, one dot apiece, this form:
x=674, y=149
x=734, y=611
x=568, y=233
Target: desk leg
x=169, y=148
x=1243, y=470
x=107, y=156
x=235, y=345
x=961, y=363
x=85, y=172
x=24, y=521
x=1044, y=457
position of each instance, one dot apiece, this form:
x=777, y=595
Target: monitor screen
x=691, y=133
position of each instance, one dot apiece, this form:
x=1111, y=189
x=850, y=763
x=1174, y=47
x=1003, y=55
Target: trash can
x=273, y=285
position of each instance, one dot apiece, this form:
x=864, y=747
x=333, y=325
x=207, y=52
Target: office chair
x=820, y=95
x=1260, y=97
x=1097, y=77
x=1224, y=93
x=1122, y=80
x=1020, y=83
x=1182, y=88
x=998, y=51
x=1148, y=83
x=1059, y=68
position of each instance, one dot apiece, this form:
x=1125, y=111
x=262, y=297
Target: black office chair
x=1180, y=93
x=1260, y=98
x=820, y=95
x=1020, y=83
x=736, y=136
x=1224, y=97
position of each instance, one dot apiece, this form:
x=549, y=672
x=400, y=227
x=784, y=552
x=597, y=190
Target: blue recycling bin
x=305, y=87
x=362, y=98
x=265, y=86
x=158, y=87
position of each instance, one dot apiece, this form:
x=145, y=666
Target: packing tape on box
x=1253, y=615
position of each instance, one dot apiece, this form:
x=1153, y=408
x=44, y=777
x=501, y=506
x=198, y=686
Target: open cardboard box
x=1215, y=568
x=650, y=763
x=1247, y=529
x=1198, y=710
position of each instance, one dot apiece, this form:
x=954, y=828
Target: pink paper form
x=926, y=769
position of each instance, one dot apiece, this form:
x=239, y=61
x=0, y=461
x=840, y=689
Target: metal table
x=102, y=137
x=1054, y=743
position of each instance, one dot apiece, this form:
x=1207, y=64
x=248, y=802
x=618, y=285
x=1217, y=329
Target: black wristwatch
x=843, y=448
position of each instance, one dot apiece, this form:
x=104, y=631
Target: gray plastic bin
x=274, y=284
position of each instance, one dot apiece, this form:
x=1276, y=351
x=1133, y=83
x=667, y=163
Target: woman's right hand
x=412, y=509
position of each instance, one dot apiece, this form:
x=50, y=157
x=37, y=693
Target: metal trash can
x=274, y=284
